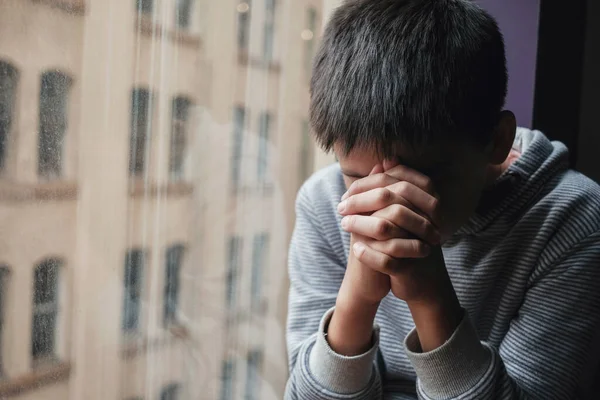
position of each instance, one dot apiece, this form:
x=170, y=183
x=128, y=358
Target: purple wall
x=518, y=20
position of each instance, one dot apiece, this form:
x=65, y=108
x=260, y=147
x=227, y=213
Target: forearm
x=436, y=319
x=350, y=331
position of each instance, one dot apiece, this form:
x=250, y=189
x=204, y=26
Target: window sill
x=139, y=188
x=136, y=345
x=51, y=191
x=71, y=6
x=42, y=376
x=245, y=60
x=147, y=26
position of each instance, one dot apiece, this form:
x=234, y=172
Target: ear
x=503, y=138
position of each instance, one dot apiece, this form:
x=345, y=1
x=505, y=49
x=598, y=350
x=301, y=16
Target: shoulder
x=570, y=208
x=322, y=192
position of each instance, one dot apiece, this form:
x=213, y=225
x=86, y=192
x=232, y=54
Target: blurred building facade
x=150, y=154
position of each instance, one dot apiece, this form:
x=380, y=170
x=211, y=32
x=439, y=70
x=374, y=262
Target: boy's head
x=419, y=81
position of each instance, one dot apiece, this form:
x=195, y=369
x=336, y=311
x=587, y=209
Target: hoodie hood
x=522, y=183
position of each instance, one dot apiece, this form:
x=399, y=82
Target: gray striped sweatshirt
x=526, y=268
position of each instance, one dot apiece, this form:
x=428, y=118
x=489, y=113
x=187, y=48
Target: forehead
x=359, y=162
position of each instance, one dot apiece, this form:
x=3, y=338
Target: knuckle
x=388, y=264
x=384, y=228
x=380, y=179
x=350, y=221
x=384, y=195
x=420, y=248
x=434, y=204
x=399, y=212
x=428, y=185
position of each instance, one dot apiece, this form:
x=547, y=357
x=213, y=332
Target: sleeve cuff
x=341, y=374
x=453, y=368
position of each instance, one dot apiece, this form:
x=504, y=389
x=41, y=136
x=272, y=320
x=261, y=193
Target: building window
x=183, y=13
x=260, y=253
x=132, y=286
x=180, y=112
x=306, y=152
x=145, y=6
x=233, y=268
x=53, y=119
x=308, y=35
x=227, y=379
x=239, y=121
x=269, y=30
x=141, y=113
x=170, y=392
x=174, y=259
x=263, y=142
x=243, y=29
x=8, y=90
x=45, y=309
x=4, y=273
x=253, y=375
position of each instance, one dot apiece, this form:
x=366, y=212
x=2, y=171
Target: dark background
x=553, y=53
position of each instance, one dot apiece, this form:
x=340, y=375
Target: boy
x=448, y=254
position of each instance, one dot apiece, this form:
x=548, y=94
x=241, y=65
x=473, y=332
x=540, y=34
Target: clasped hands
x=394, y=219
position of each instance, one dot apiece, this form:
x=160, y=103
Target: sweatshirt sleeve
x=316, y=273
x=545, y=354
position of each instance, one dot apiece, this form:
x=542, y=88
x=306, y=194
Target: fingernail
x=345, y=196
x=345, y=222
x=359, y=249
x=342, y=207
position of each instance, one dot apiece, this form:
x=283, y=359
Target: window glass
x=179, y=133
x=132, y=290
x=145, y=6
x=45, y=309
x=150, y=156
x=183, y=13
x=140, y=127
x=174, y=259
x=8, y=88
x=53, y=122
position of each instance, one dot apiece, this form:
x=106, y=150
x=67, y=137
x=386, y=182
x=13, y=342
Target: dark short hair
x=408, y=73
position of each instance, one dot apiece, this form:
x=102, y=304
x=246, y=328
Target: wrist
x=436, y=319
x=350, y=330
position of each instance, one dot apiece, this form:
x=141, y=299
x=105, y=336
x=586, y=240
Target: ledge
x=71, y=6
x=139, y=188
x=246, y=60
x=148, y=27
x=135, y=346
x=39, y=377
x=47, y=191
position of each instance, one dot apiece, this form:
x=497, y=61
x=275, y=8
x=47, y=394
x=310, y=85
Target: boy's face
x=459, y=173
